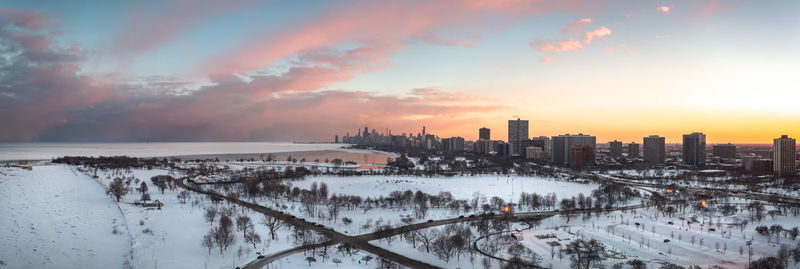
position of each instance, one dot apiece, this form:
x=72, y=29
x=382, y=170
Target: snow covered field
x=171, y=237
x=461, y=187
x=688, y=245
x=52, y=217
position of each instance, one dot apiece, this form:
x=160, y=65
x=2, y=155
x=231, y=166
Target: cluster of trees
x=777, y=230
x=119, y=187
x=224, y=234
x=446, y=243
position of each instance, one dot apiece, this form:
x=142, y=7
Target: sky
x=136, y=71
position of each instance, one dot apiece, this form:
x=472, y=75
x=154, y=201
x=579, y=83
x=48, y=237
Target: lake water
x=47, y=151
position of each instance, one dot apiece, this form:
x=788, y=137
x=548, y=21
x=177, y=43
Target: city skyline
x=303, y=71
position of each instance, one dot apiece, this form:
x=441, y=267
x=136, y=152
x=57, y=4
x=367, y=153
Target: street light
x=749, y=253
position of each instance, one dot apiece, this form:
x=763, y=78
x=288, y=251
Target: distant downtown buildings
x=580, y=150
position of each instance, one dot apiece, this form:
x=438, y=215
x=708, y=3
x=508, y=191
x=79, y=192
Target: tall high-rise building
x=542, y=142
x=484, y=133
x=633, y=150
x=615, y=148
x=517, y=131
x=785, y=153
x=725, y=151
x=336, y=139
x=562, y=146
x=654, y=149
x=454, y=144
x=694, y=149
x=423, y=130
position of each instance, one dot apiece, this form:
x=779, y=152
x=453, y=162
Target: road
x=333, y=236
x=362, y=241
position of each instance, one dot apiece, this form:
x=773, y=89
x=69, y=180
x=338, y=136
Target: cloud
x=559, y=46
x=575, y=26
x=664, y=9
x=41, y=86
x=395, y=23
x=589, y=37
x=547, y=60
x=570, y=44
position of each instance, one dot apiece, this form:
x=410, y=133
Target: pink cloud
x=664, y=9
x=589, y=37
x=560, y=46
x=547, y=60
x=575, y=26
x=390, y=22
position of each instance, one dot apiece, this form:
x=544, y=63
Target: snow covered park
x=55, y=217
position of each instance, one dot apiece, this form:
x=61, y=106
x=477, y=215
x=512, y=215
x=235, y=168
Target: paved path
x=333, y=236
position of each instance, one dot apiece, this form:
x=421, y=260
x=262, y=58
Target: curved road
x=329, y=233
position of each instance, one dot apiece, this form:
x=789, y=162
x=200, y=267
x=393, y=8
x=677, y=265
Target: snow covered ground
x=53, y=217
x=461, y=187
x=688, y=245
x=170, y=237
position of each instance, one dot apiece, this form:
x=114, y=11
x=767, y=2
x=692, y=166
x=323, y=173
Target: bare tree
x=252, y=237
x=273, y=224
x=211, y=215
x=426, y=237
x=117, y=188
x=223, y=234
x=208, y=241
x=243, y=224
x=585, y=253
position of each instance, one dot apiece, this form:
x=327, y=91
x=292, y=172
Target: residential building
x=694, y=149
x=562, y=145
x=784, y=154
x=453, y=144
x=615, y=148
x=724, y=151
x=517, y=131
x=484, y=133
x=633, y=150
x=654, y=149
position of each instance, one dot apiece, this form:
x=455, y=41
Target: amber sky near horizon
x=309, y=70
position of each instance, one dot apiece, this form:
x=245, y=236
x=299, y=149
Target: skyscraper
x=336, y=139
x=694, y=149
x=454, y=144
x=615, y=148
x=517, y=131
x=654, y=149
x=562, y=146
x=542, y=142
x=633, y=150
x=484, y=133
x=784, y=150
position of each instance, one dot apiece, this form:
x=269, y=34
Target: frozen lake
x=46, y=151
